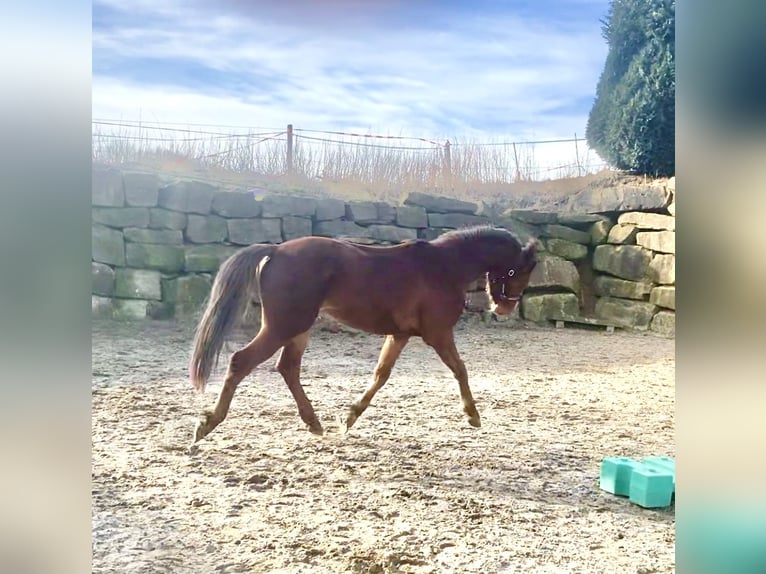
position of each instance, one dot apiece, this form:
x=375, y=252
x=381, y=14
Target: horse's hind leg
x=289, y=366
x=390, y=352
x=242, y=362
x=444, y=345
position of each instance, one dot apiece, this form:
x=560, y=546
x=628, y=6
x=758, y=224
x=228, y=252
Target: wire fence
x=338, y=155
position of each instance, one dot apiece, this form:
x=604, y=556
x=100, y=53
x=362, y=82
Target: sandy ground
x=411, y=487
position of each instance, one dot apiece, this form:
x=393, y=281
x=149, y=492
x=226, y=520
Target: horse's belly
x=378, y=322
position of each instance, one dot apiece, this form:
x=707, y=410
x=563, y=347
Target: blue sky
x=484, y=70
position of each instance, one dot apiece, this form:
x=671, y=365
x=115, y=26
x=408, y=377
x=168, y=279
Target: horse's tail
x=226, y=303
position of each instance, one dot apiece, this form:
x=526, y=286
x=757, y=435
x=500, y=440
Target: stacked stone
x=154, y=246
x=636, y=280
x=564, y=243
x=157, y=244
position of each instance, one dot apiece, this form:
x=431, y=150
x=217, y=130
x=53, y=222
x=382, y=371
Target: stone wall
x=612, y=262
x=157, y=244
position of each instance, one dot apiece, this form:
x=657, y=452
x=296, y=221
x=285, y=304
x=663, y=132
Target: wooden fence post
x=577, y=157
x=516, y=159
x=447, y=167
x=289, y=149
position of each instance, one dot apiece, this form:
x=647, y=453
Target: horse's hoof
x=316, y=429
x=202, y=427
x=474, y=421
x=353, y=414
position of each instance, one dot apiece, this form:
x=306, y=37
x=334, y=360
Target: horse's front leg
x=444, y=345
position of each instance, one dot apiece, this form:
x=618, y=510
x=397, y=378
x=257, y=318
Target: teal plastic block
x=662, y=463
x=616, y=472
x=651, y=487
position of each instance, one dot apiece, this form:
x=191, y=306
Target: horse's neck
x=469, y=261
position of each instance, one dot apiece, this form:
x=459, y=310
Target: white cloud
x=503, y=78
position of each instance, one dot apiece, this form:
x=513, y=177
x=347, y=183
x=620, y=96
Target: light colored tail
x=226, y=304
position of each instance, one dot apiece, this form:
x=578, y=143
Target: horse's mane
x=485, y=231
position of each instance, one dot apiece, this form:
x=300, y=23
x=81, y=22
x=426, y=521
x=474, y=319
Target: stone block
x=187, y=293
x=102, y=279
x=294, y=227
x=366, y=212
x=455, y=220
x=141, y=189
x=549, y=306
x=599, y=231
x=107, y=245
x=120, y=217
x=607, y=286
x=207, y=258
x=411, y=216
x=644, y=220
x=167, y=258
x=532, y=216
x=555, y=272
x=100, y=306
x=580, y=220
x=163, y=236
x=664, y=296
x=622, y=234
x=250, y=231
x=566, y=249
x=188, y=197
x=438, y=204
x=165, y=219
x=338, y=228
x=662, y=269
x=107, y=189
x=137, y=284
x=206, y=229
x=160, y=310
x=129, y=309
x=625, y=261
x=239, y=204
x=661, y=241
x=523, y=231
x=281, y=205
x=625, y=312
x=619, y=197
x=567, y=233
x=664, y=323
x=328, y=209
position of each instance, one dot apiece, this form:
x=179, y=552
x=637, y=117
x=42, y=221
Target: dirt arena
x=412, y=487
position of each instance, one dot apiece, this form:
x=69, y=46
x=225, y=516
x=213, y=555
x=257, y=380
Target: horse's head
x=505, y=284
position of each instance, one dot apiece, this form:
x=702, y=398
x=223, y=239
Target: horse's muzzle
x=506, y=305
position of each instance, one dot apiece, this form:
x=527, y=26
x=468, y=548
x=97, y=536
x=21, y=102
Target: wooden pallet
x=590, y=321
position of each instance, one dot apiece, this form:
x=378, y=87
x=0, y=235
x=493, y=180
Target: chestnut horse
x=416, y=288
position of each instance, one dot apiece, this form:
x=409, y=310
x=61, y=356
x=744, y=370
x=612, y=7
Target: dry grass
x=346, y=168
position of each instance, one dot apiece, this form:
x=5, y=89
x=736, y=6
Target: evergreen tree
x=632, y=122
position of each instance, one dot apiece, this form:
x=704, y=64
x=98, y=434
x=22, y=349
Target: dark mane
x=477, y=232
